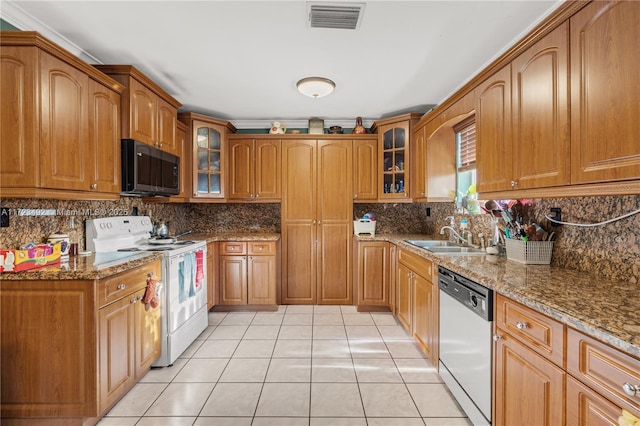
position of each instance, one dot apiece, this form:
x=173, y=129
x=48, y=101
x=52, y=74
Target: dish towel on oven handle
x=186, y=277
x=199, y=268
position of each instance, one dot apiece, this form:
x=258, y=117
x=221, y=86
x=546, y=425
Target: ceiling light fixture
x=315, y=87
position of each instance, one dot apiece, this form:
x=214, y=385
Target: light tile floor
x=302, y=365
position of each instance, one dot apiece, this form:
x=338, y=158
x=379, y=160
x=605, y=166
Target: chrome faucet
x=453, y=235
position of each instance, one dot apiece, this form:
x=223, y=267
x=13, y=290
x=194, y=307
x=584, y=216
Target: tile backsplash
x=611, y=250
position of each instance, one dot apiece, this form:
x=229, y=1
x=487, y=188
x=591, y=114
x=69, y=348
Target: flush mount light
x=315, y=87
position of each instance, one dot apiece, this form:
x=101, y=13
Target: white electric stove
x=184, y=276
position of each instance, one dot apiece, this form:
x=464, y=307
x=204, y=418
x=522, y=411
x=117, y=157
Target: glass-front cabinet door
x=208, y=164
x=394, y=165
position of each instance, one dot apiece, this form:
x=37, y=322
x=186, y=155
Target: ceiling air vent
x=346, y=16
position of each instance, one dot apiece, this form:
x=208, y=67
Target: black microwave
x=148, y=171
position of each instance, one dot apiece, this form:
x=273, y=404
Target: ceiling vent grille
x=346, y=16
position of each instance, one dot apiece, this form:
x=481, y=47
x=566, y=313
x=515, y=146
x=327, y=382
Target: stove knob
x=109, y=225
x=102, y=225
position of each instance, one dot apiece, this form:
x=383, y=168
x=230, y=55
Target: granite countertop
x=210, y=237
x=92, y=267
x=604, y=309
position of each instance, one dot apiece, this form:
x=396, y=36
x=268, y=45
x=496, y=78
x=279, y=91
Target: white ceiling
x=240, y=60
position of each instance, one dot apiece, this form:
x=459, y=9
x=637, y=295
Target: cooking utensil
x=167, y=240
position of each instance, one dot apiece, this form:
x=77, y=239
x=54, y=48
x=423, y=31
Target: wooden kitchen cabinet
x=365, y=170
x=604, y=371
x=207, y=140
x=529, y=390
x=254, y=169
x=605, y=92
x=248, y=273
x=417, y=301
x=394, y=156
x=317, y=221
x=59, y=114
x=373, y=273
x=213, y=294
x=149, y=114
x=76, y=346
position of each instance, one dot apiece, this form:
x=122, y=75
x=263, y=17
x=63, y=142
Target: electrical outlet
x=556, y=216
x=428, y=211
x=4, y=217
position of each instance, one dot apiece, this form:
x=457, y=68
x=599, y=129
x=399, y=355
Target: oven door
x=186, y=287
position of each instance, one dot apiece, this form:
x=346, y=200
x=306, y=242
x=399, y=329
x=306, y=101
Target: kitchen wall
x=611, y=251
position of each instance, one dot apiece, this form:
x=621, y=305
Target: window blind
x=467, y=143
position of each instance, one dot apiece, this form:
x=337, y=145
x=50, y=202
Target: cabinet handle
x=121, y=286
x=257, y=195
x=496, y=337
x=521, y=325
x=514, y=183
x=94, y=186
x=134, y=300
x=631, y=390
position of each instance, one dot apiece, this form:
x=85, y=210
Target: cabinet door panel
x=116, y=329
x=64, y=128
x=493, y=132
x=529, y=389
x=299, y=262
x=233, y=280
x=143, y=113
x=104, y=137
x=19, y=122
x=541, y=112
x=403, y=301
x=335, y=200
x=605, y=92
x=334, y=263
x=261, y=284
x=586, y=408
x=147, y=335
x=365, y=169
x=373, y=274
x=425, y=329
x=167, y=119
x=299, y=180
x=268, y=170
x=241, y=171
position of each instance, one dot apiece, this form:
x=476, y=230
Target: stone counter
x=93, y=267
x=210, y=237
x=604, y=309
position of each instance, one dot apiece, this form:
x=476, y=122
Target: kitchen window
x=465, y=132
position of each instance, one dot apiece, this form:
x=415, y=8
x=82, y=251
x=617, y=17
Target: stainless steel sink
x=446, y=247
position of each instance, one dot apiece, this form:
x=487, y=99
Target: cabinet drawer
x=116, y=286
x=419, y=265
x=229, y=247
x=604, y=369
x=539, y=332
x=262, y=247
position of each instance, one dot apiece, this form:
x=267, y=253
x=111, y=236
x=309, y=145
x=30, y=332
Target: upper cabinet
x=605, y=93
x=254, y=169
x=149, y=114
x=522, y=119
x=207, y=138
x=61, y=117
x=394, y=156
x=365, y=170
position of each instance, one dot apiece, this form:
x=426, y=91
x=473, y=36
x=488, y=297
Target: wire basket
x=529, y=252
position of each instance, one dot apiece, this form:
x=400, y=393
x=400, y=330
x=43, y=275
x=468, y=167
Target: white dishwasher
x=466, y=314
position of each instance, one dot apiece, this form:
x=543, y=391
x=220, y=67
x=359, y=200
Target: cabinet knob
x=631, y=390
x=496, y=337
x=134, y=299
x=514, y=183
x=121, y=286
x=94, y=186
x=521, y=325
x=355, y=195
x=257, y=195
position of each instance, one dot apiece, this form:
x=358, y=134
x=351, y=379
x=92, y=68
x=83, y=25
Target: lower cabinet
x=248, y=273
x=417, y=301
x=549, y=374
x=372, y=276
x=72, y=348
